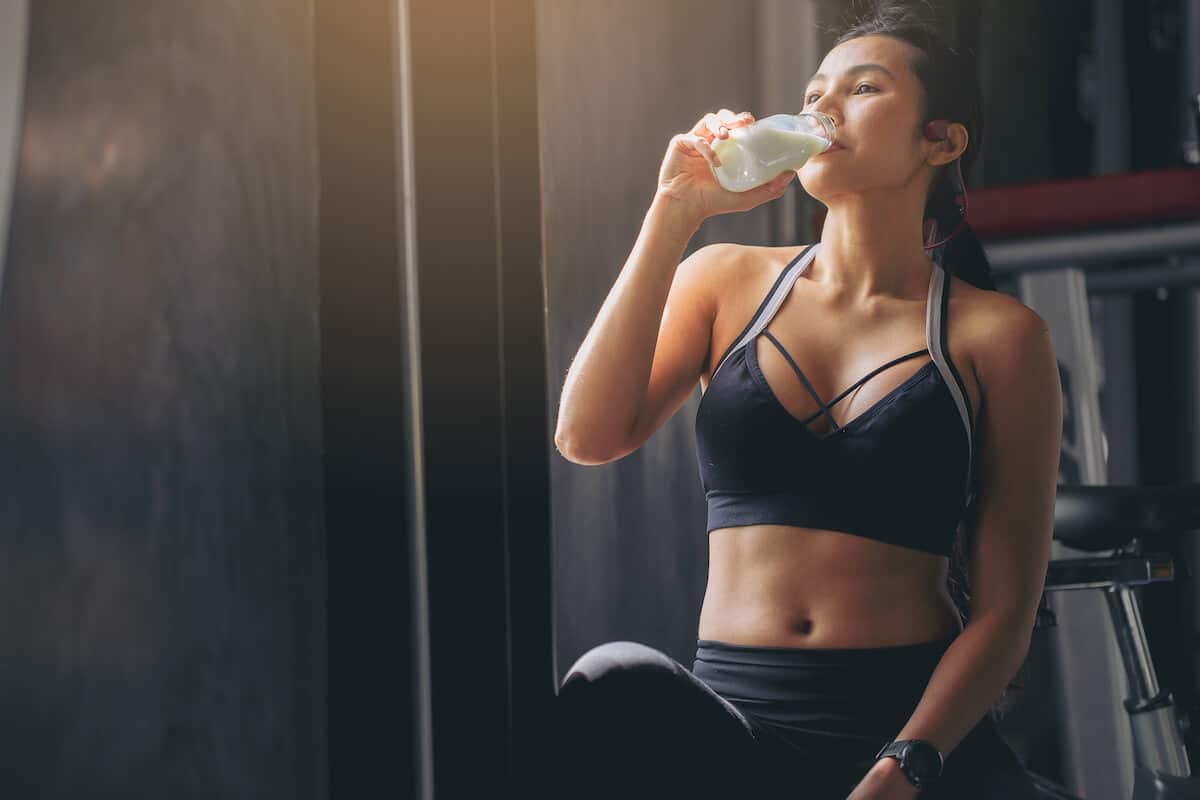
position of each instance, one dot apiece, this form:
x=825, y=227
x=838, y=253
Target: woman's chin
x=819, y=183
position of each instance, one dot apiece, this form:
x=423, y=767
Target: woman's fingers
x=698, y=145
x=720, y=122
x=725, y=120
x=715, y=125
x=706, y=150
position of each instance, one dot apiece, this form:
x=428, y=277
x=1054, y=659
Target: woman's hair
x=953, y=93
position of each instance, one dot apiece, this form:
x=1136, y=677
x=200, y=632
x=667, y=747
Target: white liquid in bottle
x=756, y=153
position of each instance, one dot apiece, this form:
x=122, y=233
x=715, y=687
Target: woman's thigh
x=634, y=721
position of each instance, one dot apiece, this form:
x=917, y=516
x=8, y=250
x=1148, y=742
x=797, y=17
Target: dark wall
x=161, y=535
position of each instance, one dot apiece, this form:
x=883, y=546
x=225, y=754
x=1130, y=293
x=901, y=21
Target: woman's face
x=868, y=87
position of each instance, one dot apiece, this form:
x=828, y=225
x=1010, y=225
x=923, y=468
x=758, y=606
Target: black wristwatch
x=919, y=760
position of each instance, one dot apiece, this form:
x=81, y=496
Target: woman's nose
x=829, y=108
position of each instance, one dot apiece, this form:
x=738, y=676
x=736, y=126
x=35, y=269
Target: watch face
x=922, y=761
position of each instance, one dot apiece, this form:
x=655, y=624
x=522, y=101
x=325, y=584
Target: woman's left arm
x=1020, y=433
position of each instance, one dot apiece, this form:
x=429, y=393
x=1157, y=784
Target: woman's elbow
x=578, y=452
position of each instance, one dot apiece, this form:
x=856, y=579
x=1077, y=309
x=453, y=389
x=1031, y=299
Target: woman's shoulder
x=984, y=313
x=738, y=274
x=735, y=256
x=1001, y=334
x=748, y=272
x=758, y=263
x=739, y=277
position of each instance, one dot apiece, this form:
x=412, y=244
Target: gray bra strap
x=939, y=292
x=782, y=289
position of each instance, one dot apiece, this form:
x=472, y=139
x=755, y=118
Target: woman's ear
x=950, y=144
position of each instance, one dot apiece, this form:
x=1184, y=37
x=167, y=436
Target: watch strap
x=899, y=749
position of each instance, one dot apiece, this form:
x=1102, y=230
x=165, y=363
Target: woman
x=829, y=635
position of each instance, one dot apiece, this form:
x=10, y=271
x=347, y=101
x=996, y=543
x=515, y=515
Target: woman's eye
x=809, y=98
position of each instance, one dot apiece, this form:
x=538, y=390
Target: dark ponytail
x=953, y=93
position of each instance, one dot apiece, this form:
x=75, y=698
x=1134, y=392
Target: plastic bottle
x=755, y=153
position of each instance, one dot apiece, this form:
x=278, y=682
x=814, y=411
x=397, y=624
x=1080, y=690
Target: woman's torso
x=784, y=586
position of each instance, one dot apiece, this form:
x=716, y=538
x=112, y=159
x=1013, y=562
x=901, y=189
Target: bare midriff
x=787, y=586
x=784, y=586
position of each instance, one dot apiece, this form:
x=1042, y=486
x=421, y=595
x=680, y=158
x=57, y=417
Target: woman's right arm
x=606, y=385
x=648, y=345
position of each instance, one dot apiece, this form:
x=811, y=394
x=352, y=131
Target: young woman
x=840, y=653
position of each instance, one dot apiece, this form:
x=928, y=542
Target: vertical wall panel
x=467, y=142
x=161, y=536
x=14, y=31
x=364, y=401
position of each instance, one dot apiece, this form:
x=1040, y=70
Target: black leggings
x=799, y=723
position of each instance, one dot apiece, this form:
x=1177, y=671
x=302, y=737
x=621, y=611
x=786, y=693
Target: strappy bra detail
x=824, y=408
x=908, y=452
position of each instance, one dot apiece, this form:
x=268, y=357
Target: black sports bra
x=900, y=472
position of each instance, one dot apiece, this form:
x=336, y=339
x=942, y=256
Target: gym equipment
x=1078, y=226
x=1122, y=519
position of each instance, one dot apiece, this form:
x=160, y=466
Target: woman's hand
x=884, y=781
x=686, y=174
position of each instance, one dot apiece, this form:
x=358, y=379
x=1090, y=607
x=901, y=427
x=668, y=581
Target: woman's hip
x=840, y=706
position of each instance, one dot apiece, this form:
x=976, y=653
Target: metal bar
x=14, y=27
x=1086, y=250
x=1135, y=650
x=1159, y=744
x=1151, y=276
x=1102, y=573
x=373, y=420
x=406, y=224
x=1098, y=743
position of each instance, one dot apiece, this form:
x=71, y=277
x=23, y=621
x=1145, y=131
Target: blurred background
x=287, y=294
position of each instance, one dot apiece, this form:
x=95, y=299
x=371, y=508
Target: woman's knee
x=604, y=702
x=621, y=683
x=630, y=681
x=629, y=712
x=618, y=658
